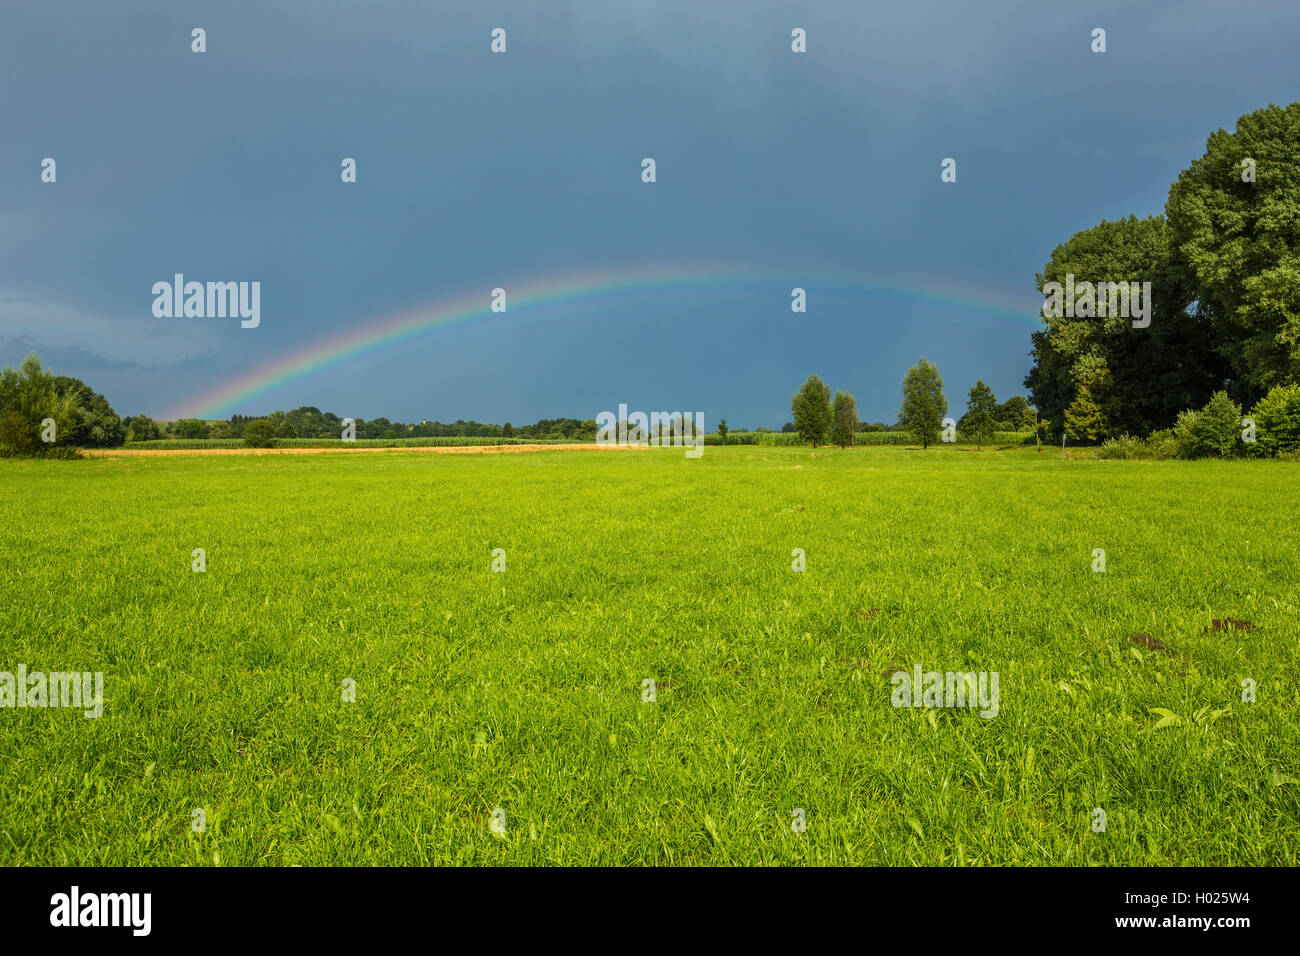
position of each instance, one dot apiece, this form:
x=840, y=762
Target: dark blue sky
x=478, y=170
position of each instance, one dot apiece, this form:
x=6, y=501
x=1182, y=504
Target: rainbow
x=558, y=295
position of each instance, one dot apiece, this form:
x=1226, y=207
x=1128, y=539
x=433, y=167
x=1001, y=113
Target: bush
x=1218, y=427
x=1124, y=447
x=260, y=434
x=1183, y=438
x=1163, y=444
x=1277, y=419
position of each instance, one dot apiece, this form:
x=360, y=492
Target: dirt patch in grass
x=1220, y=624
x=1147, y=641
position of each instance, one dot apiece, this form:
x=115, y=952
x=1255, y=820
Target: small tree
x=141, y=428
x=981, y=406
x=259, y=434
x=811, y=406
x=924, y=403
x=844, y=419
x=1217, y=428
x=507, y=430
x=722, y=430
x=1083, y=419
x=1278, y=416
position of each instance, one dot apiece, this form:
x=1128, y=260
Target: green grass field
x=522, y=690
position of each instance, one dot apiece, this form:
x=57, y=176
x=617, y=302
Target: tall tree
x=844, y=419
x=811, y=407
x=1233, y=223
x=924, y=403
x=981, y=404
x=1140, y=377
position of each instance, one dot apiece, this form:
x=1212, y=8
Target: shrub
x=1083, y=419
x=1217, y=428
x=1277, y=419
x=1163, y=444
x=260, y=434
x=1126, y=447
x=1182, y=439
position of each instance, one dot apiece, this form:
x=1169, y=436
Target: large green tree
x=96, y=425
x=924, y=403
x=844, y=419
x=260, y=434
x=981, y=406
x=29, y=396
x=1015, y=413
x=1240, y=240
x=141, y=428
x=1140, y=378
x=811, y=407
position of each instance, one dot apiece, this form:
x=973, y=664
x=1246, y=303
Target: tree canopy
x=924, y=403
x=811, y=407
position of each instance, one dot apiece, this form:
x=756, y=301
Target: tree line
x=310, y=422
x=819, y=418
x=1224, y=266
x=42, y=414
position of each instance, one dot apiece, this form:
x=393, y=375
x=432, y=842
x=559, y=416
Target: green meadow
x=518, y=695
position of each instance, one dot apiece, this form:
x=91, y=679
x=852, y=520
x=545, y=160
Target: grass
x=522, y=690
